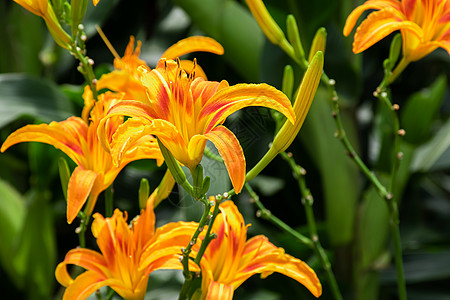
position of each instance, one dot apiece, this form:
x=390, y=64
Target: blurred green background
x=39, y=83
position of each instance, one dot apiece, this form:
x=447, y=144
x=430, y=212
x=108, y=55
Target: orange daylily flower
x=126, y=78
x=424, y=25
x=230, y=259
x=77, y=138
x=121, y=263
x=184, y=112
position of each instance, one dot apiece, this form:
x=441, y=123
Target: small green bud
x=144, y=192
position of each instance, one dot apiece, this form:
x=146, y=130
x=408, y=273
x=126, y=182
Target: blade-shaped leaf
x=23, y=95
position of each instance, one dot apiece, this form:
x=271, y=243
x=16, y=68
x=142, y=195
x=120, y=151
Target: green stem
x=85, y=68
x=207, y=219
x=267, y=215
x=383, y=94
x=398, y=70
x=308, y=202
x=81, y=230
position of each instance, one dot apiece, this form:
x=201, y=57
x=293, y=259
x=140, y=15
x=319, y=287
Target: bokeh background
x=39, y=83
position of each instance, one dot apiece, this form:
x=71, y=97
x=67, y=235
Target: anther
x=395, y=107
x=401, y=132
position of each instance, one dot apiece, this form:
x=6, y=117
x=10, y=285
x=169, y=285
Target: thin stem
x=383, y=94
x=207, y=219
x=85, y=68
x=308, y=201
x=208, y=236
x=81, y=230
x=398, y=70
x=267, y=215
x=342, y=136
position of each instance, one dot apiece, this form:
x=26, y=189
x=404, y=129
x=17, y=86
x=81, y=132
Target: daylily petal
x=220, y=291
x=277, y=261
x=193, y=44
x=85, y=258
x=229, y=260
x=371, y=4
x=84, y=285
x=122, y=81
x=231, y=99
x=377, y=26
x=80, y=186
x=68, y=136
x=231, y=152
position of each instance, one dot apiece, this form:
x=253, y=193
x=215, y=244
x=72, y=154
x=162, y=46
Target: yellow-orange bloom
x=126, y=78
x=184, y=112
x=122, y=264
x=424, y=25
x=77, y=138
x=230, y=259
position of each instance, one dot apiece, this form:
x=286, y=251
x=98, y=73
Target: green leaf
x=23, y=95
x=34, y=256
x=12, y=216
x=420, y=110
x=427, y=156
x=338, y=173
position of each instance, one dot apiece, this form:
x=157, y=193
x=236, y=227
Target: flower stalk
x=308, y=201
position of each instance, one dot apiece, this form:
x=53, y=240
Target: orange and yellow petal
x=231, y=152
x=231, y=99
x=368, y=5
x=217, y=290
x=84, y=285
x=378, y=25
x=80, y=186
x=123, y=82
x=68, y=136
x=131, y=141
x=267, y=258
x=193, y=44
x=86, y=258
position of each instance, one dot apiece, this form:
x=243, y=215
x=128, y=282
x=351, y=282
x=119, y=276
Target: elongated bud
x=394, y=52
x=265, y=21
x=78, y=11
x=64, y=175
x=287, y=85
x=144, y=191
x=319, y=43
x=206, y=184
x=288, y=131
x=305, y=95
x=163, y=190
x=175, y=169
x=197, y=179
x=172, y=164
x=294, y=38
